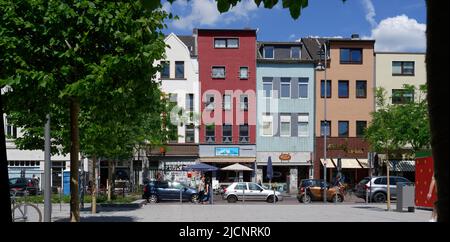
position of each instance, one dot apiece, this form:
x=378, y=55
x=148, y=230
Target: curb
x=136, y=204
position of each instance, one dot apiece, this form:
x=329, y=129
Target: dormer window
x=295, y=52
x=268, y=52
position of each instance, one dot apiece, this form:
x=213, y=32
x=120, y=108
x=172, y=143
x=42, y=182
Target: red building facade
x=227, y=75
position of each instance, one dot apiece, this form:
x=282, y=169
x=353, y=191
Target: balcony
x=244, y=139
x=210, y=139
x=227, y=139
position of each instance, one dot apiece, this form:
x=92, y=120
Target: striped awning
x=330, y=164
x=402, y=165
x=364, y=163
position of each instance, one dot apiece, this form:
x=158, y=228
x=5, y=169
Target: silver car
x=377, y=187
x=250, y=191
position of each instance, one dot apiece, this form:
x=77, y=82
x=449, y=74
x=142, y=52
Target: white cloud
x=292, y=36
x=204, y=12
x=370, y=12
x=399, y=33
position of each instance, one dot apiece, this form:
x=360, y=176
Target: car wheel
x=153, y=198
x=270, y=199
x=305, y=199
x=379, y=197
x=232, y=199
x=339, y=198
x=194, y=198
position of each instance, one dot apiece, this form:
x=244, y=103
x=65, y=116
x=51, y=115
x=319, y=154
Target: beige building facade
x=395, y=69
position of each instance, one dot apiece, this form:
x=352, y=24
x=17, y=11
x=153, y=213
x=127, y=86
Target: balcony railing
x=243, y=139
x=227, y=139
x=210, y=139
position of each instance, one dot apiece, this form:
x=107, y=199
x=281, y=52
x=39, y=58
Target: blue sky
x=396, y=25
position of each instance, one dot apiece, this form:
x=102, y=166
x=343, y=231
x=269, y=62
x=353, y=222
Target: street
x=288, y=210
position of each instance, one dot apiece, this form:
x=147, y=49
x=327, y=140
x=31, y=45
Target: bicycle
x=24, y=211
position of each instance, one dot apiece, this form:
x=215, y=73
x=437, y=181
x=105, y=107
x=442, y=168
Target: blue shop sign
x=227, y=151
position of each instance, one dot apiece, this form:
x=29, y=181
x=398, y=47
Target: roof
x=225, y=30
x=304, y=58
x=189, y=41
x=280, y=43
x=399, y=53
x=312, y=45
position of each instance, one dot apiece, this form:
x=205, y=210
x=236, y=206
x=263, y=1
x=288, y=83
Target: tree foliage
x=396, y=126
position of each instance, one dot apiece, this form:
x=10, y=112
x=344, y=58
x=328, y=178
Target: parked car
x=377, y=187
x=249, y=191
x=156, y=191
x=312, y=190
x=22, y=185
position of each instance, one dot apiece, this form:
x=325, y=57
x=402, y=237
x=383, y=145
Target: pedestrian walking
x=429, y=195
x=207, y=192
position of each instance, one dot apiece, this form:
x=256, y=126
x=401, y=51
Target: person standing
x=201, y=189
x=207, y=192
x=429, y=195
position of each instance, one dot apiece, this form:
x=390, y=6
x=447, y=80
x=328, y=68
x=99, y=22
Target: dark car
x=312, y=190
x=22, y=185
x=156, y=191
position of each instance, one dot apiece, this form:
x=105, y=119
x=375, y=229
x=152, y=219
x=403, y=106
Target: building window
x=268, y=52
x=361, y=89
x=325, y=127
x=227, y=102
x=11, y=131
x=190, y=102
x=285, y=88
x=402, y=96
x=343, y=128
x=267, y=125
x=343, y=89
x=243, y=73
x=190, y=133
x=303, y=120
x=285, y=125
x=351, y=56
x=243, y=133
x=226, y=43
x=322, y=88
x=220, y=43
x=227, y=134
x=179, y=69
x=218, y=72
x=295, y=52
x=210, y=102
x=405, y=68
x=243, y=102
x=267, y=86
x=165, y=73
x=210, y=131
x=360, y=128
x=303, y=88
x=173, y=99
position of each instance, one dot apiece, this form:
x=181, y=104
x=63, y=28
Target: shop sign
x=227, y=151
x=176, y=165
x=284, y=156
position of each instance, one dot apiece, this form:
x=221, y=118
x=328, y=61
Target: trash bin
x=405, y=196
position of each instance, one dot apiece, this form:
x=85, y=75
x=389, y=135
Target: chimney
x=355, y=36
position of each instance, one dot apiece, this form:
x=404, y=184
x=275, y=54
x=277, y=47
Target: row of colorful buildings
x=243, y=101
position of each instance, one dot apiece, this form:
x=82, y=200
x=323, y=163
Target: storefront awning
x=350, y=164
x=402, y=165
x=329, y=163
x=227, y=159
x=364, y=163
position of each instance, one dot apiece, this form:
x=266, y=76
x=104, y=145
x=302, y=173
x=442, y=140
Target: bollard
x=181, y=195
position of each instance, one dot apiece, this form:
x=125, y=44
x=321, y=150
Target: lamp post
x=323, y=67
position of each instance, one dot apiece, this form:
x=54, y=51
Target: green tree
x=63, y=57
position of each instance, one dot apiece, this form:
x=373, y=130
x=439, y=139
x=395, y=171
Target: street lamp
x=323, y=67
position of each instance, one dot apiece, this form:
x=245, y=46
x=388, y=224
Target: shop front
x=289, y=168
x=222, y=156
x=353, y=153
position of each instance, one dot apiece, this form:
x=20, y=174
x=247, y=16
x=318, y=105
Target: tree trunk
x=5, y=201
x=437, y=82
x=94, y=186
x=108, y=183
x=74, y=160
